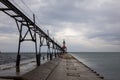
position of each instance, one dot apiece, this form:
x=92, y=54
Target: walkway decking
x=64, y=68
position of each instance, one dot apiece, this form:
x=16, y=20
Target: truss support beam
x=29, y=27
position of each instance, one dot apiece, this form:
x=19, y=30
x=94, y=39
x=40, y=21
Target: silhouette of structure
x=24, y=23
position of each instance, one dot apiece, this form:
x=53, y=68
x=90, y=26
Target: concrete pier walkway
x=64, y=68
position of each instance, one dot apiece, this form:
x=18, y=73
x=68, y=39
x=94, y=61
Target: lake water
x=105, y=63
x=11, y=57
x=8, y=60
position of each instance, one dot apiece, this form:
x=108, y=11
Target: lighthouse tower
x=64, y=46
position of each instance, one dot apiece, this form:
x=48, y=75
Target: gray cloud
x=105, y=35
x=64, y=11
x=90, y=19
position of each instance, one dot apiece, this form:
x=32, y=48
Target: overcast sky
x=86, y=25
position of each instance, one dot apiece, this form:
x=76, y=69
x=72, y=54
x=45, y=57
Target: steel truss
x=22, y=21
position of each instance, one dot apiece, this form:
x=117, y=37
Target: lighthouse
x=64, y=46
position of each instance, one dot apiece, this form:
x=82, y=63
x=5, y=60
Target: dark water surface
x=11, y=57
x=105, y=63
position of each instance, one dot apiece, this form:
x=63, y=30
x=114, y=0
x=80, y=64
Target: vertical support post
x=40, y=44
x=35, y=39
x=51, y=53
x=18, y=58
x=55, y=51
x=48, y=50
x=53, y=48
x=18, y=54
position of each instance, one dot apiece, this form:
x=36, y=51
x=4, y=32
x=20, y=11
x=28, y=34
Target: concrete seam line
x=52, y=70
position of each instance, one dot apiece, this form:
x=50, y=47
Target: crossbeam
x=4, y=9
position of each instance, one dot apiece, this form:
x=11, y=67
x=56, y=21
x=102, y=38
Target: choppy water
x=7, y=60
x=11, y=57
x=105, y=63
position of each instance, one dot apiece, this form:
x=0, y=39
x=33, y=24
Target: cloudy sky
x=86, y=25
